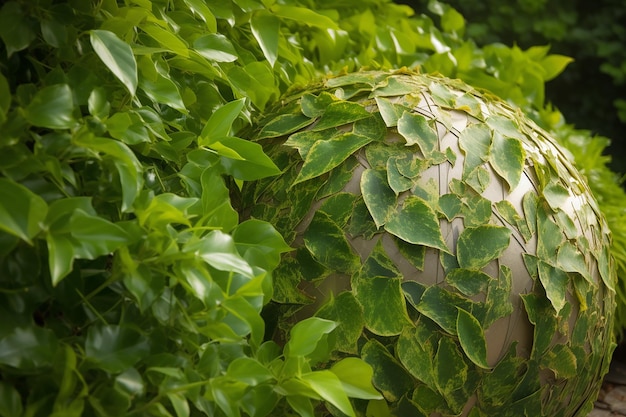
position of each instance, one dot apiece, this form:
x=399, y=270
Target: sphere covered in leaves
x=461, y=252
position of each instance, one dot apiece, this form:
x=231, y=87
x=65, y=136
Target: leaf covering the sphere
x=475, y=141
x=328, y=244
x=325, y=155
x=477, y=246
x=472, y=338
x=416, y=222
x=340, y=113
x=416, y=130
x=507, y=158
x=379, y=198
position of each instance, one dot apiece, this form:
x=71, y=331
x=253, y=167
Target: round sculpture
x=459, y=249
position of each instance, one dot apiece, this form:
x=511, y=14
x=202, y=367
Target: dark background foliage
x=591, y=92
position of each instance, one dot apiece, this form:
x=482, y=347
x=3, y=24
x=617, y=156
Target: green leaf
x=556, y=195
x=218, y=250
x=555, y=282
x=220, y=123
x=115, y=348
x=553, y=65
x=95, y=235
x=378, y=196
x=260, y=243
x=167, y=38
x=325, y=155
x=450, y=368
x=255, y=81
x=507, y=159
x=390, y=112
x=28, y=348
x=472, y=338
x=5, y=98
x=416, y=351
x=416, y=222
x=329, y=387
x=265, y=28
x=249, y=371
x=128, y=166
x=356, y=378
x=306, y=334
x=340, y=113
x=416, y=130
x=52, y=107
x=346, y=311
x=117, y=56
x=216, y=47
x=314, y=106
x=378, y=280
x=243, y=159
x=16, y=30
x=304, y=16
x=477, y=246
x=390, y=377
x=475, y=141
x=10, y=401
x=283, y=125
x=571, y=259
x=469, y=281
x=201, y=9
x=328, y=244
x=440, y=305
x=163, y=90
x=21, y=211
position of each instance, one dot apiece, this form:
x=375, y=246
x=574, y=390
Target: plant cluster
x=128, y=283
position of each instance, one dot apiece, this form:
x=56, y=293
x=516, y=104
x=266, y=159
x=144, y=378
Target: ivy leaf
x=507, y=158
x=22, y=212
x=416, y=222
x=472, y=338
x=416, y=130
x=117, y=56
x=346, y=311
x=555, y=282
x=450, y=368
x=379, y=198
x=477, y=246
x=52, y=107
x=328, y=244
x=325, y=155
x=475, y=141
x=390, y=377
x=265, y=28
x=340, y=113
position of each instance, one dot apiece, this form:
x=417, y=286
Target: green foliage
x=128, y=283
x=449, y=291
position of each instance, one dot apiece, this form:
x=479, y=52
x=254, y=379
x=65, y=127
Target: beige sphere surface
x=460, y=251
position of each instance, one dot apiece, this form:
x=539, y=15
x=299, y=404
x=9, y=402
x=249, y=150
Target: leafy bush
x=128, y=283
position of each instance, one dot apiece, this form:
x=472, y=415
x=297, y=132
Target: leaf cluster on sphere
x=501, y=188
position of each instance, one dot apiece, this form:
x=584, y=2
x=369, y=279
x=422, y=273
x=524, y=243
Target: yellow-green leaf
x=472, y=338
x=477, y=246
